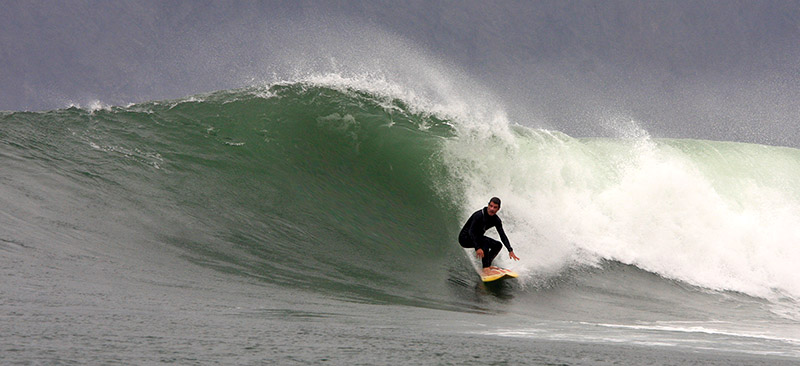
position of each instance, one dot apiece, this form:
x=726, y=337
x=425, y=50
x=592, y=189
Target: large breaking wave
x=355, y=187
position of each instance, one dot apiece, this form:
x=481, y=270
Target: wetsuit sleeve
x=503, y=236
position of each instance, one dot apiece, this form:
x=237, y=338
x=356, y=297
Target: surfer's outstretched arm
x=505, y=241
x=503, y=237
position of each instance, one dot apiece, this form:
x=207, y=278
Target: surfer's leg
x=491, y=248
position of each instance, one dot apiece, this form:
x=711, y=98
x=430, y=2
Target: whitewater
x=714, y=214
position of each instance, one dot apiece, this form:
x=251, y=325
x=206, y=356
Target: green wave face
x=322, y=188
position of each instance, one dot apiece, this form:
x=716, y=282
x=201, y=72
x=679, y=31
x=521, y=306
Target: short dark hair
x=495, y=200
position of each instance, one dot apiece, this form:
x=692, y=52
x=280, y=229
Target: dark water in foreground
x=314, y=223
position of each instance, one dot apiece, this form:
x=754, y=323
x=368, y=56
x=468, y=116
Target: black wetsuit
x=472, y=235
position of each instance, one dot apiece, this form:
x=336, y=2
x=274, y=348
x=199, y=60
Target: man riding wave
x=486, y=248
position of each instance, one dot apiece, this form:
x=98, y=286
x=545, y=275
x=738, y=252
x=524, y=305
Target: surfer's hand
x=479, y=252
x=513, y=256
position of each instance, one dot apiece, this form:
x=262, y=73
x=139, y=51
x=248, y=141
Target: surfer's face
x=492, y=208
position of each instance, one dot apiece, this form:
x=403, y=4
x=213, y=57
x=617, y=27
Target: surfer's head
x=493, y=206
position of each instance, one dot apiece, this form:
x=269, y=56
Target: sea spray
x=707, y=213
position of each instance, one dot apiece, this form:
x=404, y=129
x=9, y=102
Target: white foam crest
x=385, y=64
x=634, y=200
x=91, y=106
x=478, y=113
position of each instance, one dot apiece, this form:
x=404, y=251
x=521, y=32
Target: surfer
x=472, y=235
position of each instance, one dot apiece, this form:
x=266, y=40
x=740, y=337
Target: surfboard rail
x=498, y=274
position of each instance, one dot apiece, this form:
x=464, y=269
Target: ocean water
x=314, y=221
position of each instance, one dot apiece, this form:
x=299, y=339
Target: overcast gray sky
x=700, y=69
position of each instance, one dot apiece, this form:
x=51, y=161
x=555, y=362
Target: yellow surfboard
x=498, y=274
